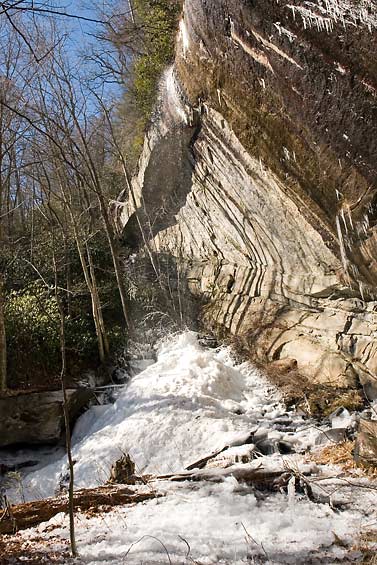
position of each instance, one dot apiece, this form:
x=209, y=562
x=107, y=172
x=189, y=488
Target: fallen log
x=251, y=475
x=256, y=476
x=22, y=516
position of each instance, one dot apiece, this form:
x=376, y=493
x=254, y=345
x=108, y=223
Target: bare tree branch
x=31, y=8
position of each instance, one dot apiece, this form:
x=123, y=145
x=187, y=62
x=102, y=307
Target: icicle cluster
x=323, y=14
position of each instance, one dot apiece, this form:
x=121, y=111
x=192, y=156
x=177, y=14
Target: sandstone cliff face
x=260, y=172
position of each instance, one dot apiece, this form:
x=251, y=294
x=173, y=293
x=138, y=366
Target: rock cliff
x=260, y=172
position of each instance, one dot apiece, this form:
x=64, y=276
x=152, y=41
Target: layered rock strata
x=260, y=172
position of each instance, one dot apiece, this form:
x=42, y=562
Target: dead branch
x=201, y=463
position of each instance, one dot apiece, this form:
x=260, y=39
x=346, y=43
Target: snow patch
x=192, y=402
x=212, y=523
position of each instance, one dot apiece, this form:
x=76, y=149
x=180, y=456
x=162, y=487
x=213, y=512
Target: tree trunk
x=94, y=298
x=115, y=257
x=63, y=376
x=97, y=300
x=3, y=341
x=68, y=276
x=67, y=433
x=254, y=476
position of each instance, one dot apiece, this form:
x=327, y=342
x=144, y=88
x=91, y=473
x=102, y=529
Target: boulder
x=37, y=417
x=366, y=444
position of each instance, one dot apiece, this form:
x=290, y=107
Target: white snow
x=342, y=419
x=211, y=524
x=191, y=402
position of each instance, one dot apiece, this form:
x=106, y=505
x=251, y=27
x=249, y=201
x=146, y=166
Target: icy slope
x=191, y=402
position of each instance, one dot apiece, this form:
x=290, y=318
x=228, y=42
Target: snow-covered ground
x=191, y=402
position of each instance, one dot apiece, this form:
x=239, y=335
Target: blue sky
x=79, y=29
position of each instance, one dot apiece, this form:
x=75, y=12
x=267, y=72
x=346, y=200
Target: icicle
x=219, y=96
x=261, y=165
x=174, y=96
x=184, y=36
x=232, y=29
x=343, y=254
x=346, y=12
x=284, y=31
x=355, y=271
x=350, y=216
x=344, y=219
x=291, y=489
x=361, y=289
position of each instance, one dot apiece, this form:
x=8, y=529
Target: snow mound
x=191, y=402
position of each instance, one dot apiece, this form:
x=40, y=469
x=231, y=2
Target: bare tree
x=54, y=224
x=61, y=193
x=74, y=136
x=15, y=79
x=3, y=341
x=63, y=376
